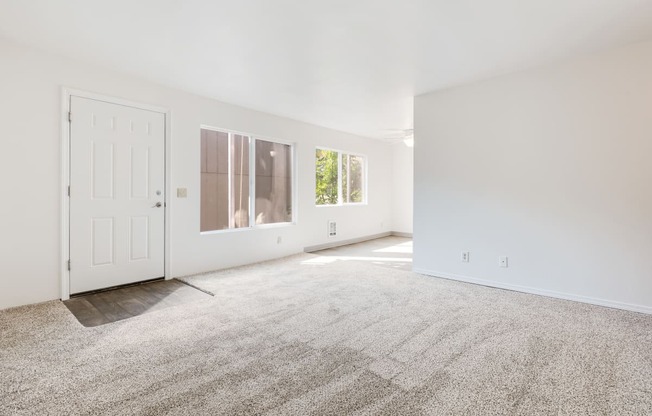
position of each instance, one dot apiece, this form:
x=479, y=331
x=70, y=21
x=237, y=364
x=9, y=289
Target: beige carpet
x=312, y=335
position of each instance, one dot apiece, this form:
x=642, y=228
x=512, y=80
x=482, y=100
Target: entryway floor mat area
x=114, y=305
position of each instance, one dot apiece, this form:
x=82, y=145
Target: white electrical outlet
x=465, y=257
x=502, y=261
x=332, y=228
x=279, y=239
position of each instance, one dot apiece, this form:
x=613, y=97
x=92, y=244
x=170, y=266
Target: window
x=327, y=168
x=227, y=177
x=340, y=178
x=352, y=178
x=273, y=182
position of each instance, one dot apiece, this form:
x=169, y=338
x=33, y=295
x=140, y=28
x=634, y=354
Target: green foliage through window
x=326, y=167
x=330, y=166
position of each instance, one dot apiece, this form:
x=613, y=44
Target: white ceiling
x=352, y=65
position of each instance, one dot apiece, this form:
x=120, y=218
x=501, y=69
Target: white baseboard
x=541, y=292
x=345, y=242
x=401, y=234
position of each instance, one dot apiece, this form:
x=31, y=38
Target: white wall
x=402, y=188
x=30, y=108
x=550, y=167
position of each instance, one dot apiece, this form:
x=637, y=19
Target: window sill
x=254, y=228
x=350, y=204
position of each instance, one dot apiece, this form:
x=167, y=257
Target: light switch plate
x=182, y=192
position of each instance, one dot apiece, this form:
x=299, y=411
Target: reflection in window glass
x=352, y=178
x=273, y=182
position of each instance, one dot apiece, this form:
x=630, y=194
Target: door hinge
x=68, y=265
x=69, y=116
x=68, y=190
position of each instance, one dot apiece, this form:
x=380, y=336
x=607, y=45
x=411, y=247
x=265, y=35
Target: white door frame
x=66, y=94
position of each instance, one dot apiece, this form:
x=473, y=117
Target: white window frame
x=340, y=197
x=252, y=181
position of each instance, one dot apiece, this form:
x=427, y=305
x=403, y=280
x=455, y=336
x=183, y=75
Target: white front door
x=117, y=194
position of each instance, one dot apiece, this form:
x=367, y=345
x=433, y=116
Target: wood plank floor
x=114, y=305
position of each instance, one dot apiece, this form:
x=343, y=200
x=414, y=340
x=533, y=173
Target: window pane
x=239, y=179
x=352, y=178
x=226, y=198
x=273, y=182
x=345, y=178
x=326, y=177
x=224, y=181
x=214, y=180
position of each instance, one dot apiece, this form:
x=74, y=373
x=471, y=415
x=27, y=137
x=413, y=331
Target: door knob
x=158, y=205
